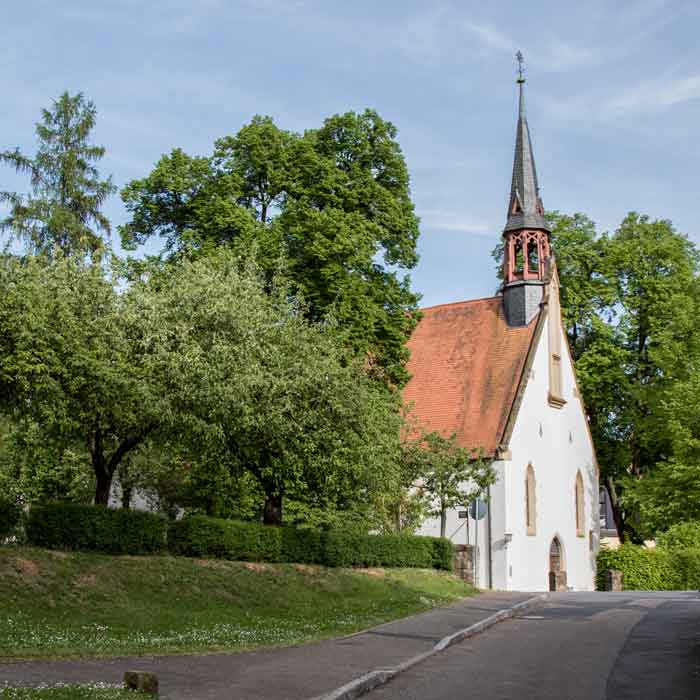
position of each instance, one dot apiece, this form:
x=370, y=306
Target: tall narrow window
x=530, y=501
x=580, y=519
x=556, y=388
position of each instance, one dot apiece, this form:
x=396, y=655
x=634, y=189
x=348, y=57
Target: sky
x=613, y=99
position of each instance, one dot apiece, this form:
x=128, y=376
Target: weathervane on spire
x=521, y=60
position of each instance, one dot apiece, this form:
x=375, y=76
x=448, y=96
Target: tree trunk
x=103, y=485
x=104, y=468
x=103, y=476
x=443, y=521
x=272, y=513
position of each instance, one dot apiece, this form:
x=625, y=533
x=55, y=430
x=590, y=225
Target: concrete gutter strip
x=369, y=681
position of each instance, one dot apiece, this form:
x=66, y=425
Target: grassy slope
x=73, y=604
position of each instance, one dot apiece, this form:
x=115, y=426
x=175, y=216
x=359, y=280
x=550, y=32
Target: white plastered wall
x=557, y=443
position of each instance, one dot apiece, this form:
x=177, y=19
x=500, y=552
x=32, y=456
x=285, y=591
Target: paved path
x=576, y=646
x=278, y=674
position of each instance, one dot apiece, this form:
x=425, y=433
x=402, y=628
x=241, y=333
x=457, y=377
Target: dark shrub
x=443, y=553
x=10, y=516
x=353, y=549
x=303, y=546
x=201, y=536
x=96, y=528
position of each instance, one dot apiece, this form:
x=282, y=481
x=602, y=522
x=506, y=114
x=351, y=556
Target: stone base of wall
x=464, y=562
x=613, y=580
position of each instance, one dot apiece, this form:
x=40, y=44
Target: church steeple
x=526, y=236
x=525, y=206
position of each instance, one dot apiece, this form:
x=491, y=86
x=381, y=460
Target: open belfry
x=497, y=372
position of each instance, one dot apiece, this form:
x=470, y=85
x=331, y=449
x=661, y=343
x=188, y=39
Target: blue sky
x=613, y=98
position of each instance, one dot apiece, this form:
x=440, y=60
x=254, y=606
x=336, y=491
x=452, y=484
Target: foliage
x=96, y=528
x=10, y=516
x=670, y=493
x=72, y=362
x=355, y=549
x=98, y=603
x=685, y=535
x=446, y=474
x=644, y=569
x=334, y=203
x=63, y=212
x=303, y=545
x=36, y=466
x=259, y=390
x=201, y=536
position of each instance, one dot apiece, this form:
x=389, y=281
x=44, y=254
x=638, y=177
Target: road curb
x=369, y=681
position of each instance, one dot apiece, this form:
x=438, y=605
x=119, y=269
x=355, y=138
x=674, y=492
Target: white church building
x=499, y=374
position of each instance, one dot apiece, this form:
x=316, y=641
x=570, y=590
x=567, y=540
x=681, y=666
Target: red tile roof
x=466, y=363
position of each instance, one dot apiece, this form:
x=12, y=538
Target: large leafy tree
x=333, y=203
x=261, y=392
x=63, y=211
x=72, y=362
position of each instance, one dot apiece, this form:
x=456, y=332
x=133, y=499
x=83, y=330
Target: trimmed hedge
x=10, y=516
x=303, y=546
x=655, y=569
x=202, y=536
x=351, y=549
x=96, y=528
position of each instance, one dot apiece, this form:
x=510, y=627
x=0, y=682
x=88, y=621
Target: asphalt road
x=576, y=646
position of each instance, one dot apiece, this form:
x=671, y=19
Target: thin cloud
x=453, y=221
x=654, y=95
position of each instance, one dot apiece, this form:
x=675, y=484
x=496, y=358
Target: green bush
x=352, y=549
x=643, y=569
x=96, y=528
x=10, y=516
x=443, y=553
x=687, y=563
x=684, y=535
x=201, y=536
x=303, y=545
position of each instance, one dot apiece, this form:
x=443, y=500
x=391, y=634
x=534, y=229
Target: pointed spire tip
x=521, y=60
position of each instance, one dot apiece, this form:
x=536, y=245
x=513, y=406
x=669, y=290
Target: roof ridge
x=464, y=301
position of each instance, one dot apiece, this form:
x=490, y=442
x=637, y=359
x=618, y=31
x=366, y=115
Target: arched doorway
x=557, y=571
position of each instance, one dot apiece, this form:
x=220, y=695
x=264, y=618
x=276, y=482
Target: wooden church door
x=557, y=574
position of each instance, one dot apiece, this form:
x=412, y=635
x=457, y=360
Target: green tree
x=63, y=212
x=334, y=203
x=72, y=362
x=446, y=474
x=258, y=390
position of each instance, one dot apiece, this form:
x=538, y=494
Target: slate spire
x=525, y=208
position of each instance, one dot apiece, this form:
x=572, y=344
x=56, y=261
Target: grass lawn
x=59, y=604
x=74, y=692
